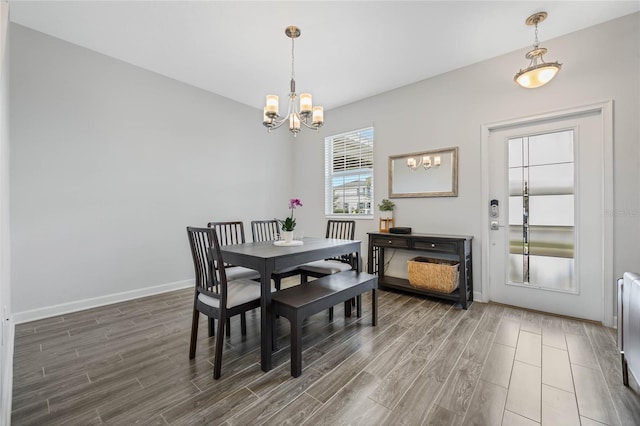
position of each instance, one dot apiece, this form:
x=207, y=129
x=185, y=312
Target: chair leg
x=194, y=333
x=228, y=327
x=374, y=307
x=358, y=306
x=347, y=308
x=331, y=314
x=243, y=323
x=212, y=327
x=217, y=361
x=277, y=282
x=303, y=278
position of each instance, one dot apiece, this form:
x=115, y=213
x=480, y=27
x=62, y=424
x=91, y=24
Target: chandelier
x=296, y=113
x=536, y=74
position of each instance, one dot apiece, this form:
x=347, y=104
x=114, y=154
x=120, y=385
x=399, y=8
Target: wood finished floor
x=425, y=363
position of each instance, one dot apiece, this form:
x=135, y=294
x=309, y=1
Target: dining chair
x=269, y=230
x=233, y=233
x=215, y=296
x=338, y=229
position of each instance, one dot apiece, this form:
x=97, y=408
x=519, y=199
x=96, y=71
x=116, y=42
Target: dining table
x=267, y=257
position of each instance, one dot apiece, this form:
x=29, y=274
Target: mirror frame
x=454, y=174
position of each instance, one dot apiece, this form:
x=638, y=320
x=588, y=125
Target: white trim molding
x=7, y=371
x=80, y=305
x=605, y=108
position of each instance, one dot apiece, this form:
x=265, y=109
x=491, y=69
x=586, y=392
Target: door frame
x=605, y=109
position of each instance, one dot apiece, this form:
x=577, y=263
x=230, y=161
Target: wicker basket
x=433, y=274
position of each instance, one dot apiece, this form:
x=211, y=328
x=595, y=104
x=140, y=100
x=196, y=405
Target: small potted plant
x=289, y=224
x=386, y=209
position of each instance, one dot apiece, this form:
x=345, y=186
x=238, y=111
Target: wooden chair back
x=205, y=250
x=265, y=230
x=341, y=229
x=229, y=232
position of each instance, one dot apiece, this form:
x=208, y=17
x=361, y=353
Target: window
x=349, y=173
x=541, y=211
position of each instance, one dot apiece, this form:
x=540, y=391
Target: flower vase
x=287, y=236
x=386, y=214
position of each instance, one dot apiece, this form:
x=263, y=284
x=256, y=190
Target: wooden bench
x=299, y=302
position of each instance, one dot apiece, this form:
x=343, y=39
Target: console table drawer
x=436, y=246
x=391, y=242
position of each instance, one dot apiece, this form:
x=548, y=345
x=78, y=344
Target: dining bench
x=299, y=302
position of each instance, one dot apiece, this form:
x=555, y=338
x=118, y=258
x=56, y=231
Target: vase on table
x=287, y=236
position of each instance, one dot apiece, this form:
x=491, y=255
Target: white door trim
x=605, y=109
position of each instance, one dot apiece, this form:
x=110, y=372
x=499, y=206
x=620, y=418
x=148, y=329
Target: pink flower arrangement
x=289, y=223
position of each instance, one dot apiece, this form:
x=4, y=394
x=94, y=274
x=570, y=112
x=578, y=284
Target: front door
x=546, y=215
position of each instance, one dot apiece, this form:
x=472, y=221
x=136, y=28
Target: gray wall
x=600, y=63
x=110, y=163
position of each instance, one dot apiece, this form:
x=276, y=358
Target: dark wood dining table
x=265, y=257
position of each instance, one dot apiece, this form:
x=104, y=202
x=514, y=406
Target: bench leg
x=331, y=314
x=296, y=346
x=359, y=306
x=374, y=307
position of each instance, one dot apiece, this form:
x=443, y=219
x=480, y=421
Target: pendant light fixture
x=297, y=114
x=537, y=73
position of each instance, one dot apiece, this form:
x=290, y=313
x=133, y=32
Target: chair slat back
x=205, y=251
x=229, y=232
x=265, y=230
x=341, y=229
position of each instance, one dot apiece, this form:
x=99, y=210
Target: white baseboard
x=80, y=305
x=7, y=374
x=477, y=297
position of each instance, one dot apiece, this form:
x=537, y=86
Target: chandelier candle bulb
x=318, y=116
x=411, y=162
x=305, y=103
x=436, y=160
x=294, y=122
x=272, y=105
x=426, y=161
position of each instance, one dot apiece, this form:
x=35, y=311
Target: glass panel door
x=541, y=212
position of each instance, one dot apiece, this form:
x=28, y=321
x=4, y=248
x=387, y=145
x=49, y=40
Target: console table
x=454, y=247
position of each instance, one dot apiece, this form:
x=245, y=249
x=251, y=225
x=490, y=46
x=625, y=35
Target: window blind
x=349, y=173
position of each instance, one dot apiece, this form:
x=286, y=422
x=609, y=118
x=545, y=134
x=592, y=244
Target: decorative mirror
x=424, y=174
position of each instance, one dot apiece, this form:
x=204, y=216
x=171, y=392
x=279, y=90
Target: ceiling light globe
x=537, y=75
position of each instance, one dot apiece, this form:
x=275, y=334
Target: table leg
x=266, y=330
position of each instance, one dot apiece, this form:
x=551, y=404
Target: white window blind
x=349, y=173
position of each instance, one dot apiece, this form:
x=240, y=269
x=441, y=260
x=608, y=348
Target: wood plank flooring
x=425, y=363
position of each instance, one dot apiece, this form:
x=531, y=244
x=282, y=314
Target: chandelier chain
x=536, y=43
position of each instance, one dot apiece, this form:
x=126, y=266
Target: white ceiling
x=347, y=51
